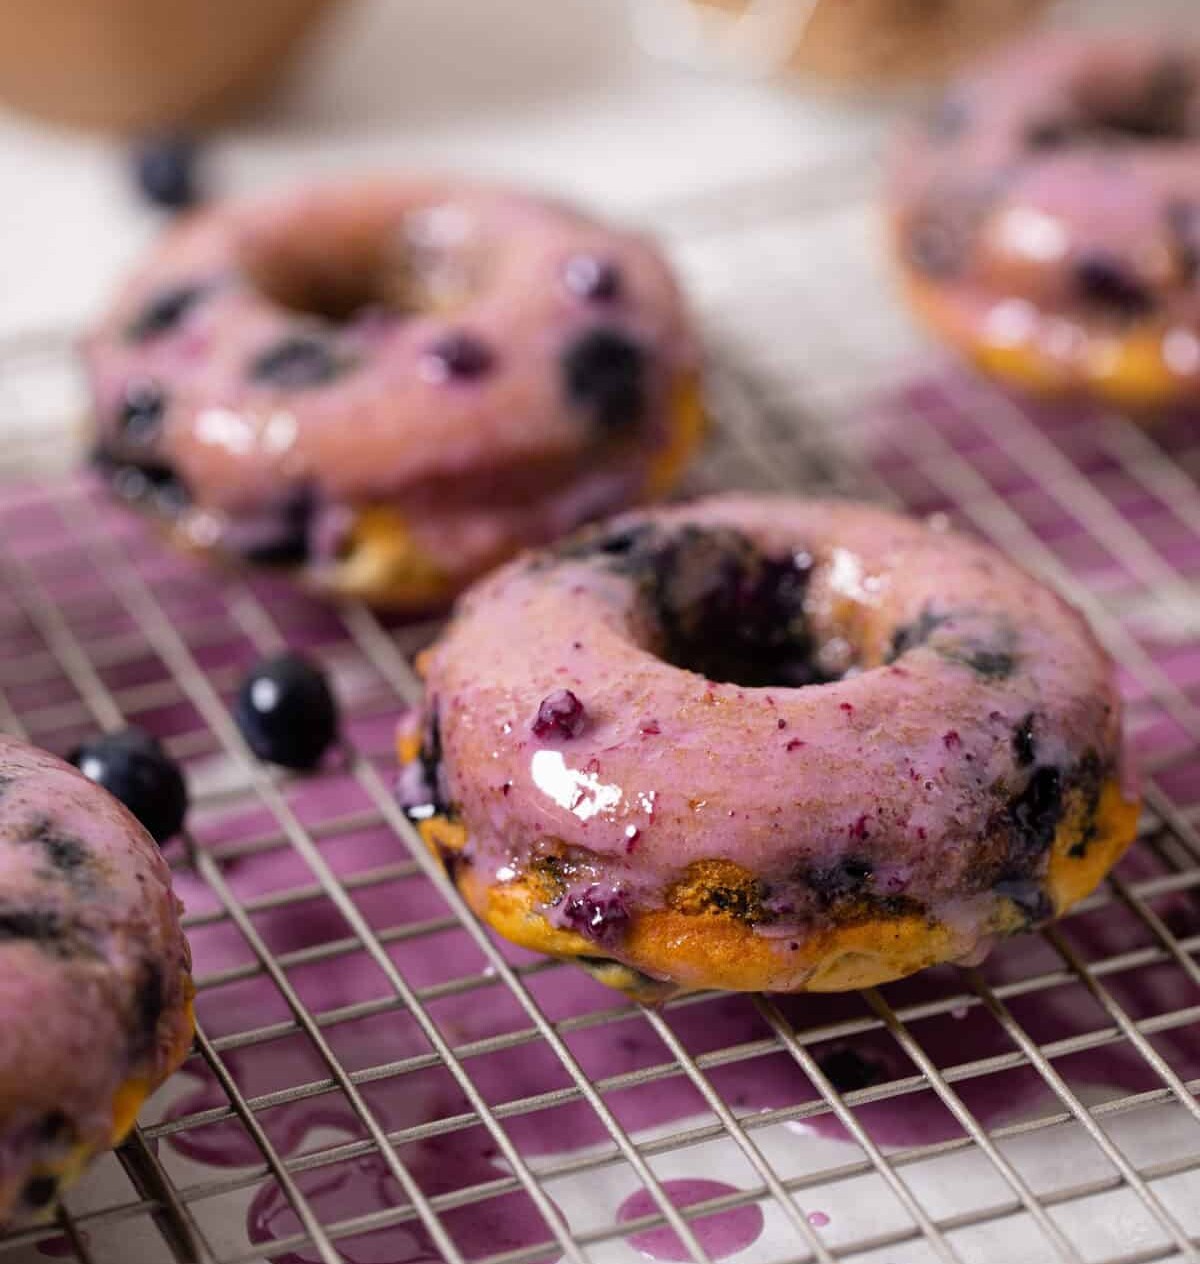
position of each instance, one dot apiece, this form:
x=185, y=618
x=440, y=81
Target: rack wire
x=820, y=386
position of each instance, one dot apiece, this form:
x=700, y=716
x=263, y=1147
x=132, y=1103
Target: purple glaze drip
x=721, y=1234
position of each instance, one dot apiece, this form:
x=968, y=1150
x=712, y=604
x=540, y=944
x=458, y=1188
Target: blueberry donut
x=388, y=386
x=1046, y=215
x=759, y=743
x=94, y=975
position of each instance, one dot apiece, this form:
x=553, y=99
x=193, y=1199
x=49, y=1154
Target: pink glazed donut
x=1046, y=216
x=388, y=386
x=95, y=986
x=758, y=743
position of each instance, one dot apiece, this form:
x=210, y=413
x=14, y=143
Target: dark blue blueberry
x=604, y=372
x=286, y=711
x=458, y=357
x=39, y=1191
x=593, y=279
x=54, y=1126
x=598, y=914
x=1036, y=811
x=149, y=483
x=1106, y=282
x=165, y=167
x=911, y=635
x=40, y=926
x=164, y=311
x=141, y=412
x=298, y=361
x=844, y=880
x=847, y=1070
x=288, y=543
x=1024, y=742
x=133, y=767
x=990, y=663
x=560, y=714
x=948, y=119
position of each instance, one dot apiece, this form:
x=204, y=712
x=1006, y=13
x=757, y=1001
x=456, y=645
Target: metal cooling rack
x=822, y=388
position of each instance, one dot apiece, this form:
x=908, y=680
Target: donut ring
x=95, y=986
x=1046, y=217
x=388, y=386
x=758, y=743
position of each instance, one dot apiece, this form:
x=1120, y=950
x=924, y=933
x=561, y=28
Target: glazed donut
x=758, y=743
x=95, y=986
x=1046, y=216
x=387, y=386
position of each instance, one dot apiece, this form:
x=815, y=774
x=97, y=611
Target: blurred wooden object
x=852, y=42
x=145, y=65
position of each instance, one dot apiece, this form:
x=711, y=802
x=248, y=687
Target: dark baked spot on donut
x=165, y=311
x=720, y=886
x=604, y=375
x=598, y=913
x=296, y=362
x=142, y=408
x=848, y=1071
x=1024, y=742
x=39, y=1191
x=1104, y=281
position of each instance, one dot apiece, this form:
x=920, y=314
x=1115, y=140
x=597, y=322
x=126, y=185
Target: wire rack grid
x=376, y=1079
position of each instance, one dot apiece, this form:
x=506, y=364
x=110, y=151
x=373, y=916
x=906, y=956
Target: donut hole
x=1159, y=108
x=335, y=282
x=714, y=604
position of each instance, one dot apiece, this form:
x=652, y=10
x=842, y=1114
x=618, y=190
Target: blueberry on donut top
x=1046, y=216
x=767, y=743
x=387, y=386
x=95, y=989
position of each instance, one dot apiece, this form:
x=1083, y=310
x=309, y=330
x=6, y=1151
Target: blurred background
x=624, y=104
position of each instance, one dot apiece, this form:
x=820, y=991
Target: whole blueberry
x=593, y=279
x=141, y=410
x=133, y=767
x=604, y=373
x=286, y=711
x=165, y=168
x=456, y=356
